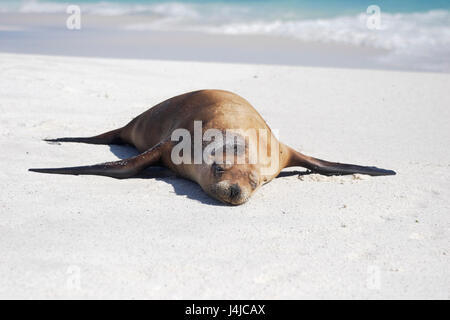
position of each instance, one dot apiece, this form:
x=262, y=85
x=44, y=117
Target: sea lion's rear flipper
x=333, y=168
x=110, y=137
x=118, y=169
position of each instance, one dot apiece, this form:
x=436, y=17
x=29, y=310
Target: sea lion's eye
x=218, y=170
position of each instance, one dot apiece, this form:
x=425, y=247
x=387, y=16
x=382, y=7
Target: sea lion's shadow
x=181, y=186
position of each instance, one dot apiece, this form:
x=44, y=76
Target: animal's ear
x=118, y=169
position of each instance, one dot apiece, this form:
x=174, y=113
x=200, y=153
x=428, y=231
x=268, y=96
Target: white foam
x=397, y=30
x=413, y=38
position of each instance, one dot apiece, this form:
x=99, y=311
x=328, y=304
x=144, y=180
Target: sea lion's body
x=151, y=133
x=214, y=108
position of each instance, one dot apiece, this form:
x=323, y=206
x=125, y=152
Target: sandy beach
x=160, y=236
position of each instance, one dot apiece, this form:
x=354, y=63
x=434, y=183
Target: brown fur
x=151, y=133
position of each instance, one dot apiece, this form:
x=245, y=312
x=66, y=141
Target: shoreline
x=413, y=41
x=213, y=62
x=102, y=36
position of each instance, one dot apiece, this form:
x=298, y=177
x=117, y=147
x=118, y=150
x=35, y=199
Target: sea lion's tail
x=110, y=137
x=333, y=168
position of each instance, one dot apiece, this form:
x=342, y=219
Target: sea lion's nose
x=235, y=191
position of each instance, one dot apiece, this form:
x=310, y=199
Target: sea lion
x=229, y=171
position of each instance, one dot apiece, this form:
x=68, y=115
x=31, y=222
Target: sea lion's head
x=232, y=183
x=228, y=176
x=234, y=166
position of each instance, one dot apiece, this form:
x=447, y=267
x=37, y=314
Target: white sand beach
x=159, y=236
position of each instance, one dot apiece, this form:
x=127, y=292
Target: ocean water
x=414, y=32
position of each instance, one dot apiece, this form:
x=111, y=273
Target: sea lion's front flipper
x=332, y=168
x=118, y=169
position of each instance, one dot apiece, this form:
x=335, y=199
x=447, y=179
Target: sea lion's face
x=232, y=183
x=227, y=174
